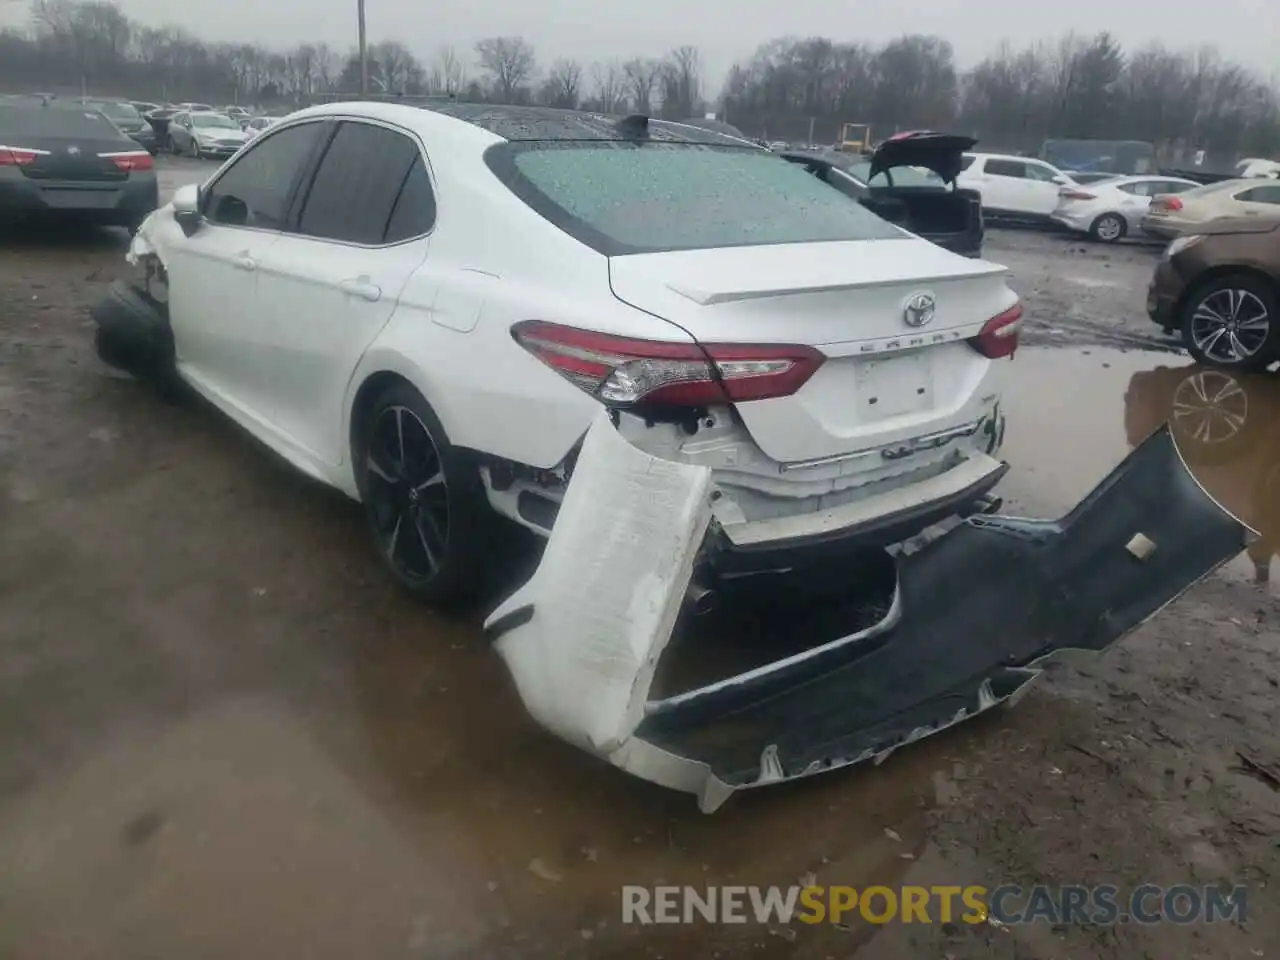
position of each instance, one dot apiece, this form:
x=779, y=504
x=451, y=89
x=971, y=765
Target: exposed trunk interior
x=758, y=620
x=924, y=212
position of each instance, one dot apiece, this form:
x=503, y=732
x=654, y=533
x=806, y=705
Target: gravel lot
x=223, y=733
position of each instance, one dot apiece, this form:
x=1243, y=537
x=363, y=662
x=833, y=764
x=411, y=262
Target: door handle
x=363, y=288
x=242, y=261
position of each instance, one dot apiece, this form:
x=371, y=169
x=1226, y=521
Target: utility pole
x=364, y=51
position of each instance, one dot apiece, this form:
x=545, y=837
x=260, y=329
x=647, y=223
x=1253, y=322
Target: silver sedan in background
x=1109, y=210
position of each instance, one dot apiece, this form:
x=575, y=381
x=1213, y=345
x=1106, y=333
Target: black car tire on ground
x=413, y=481
x=1108, y=228
x=1255, y=303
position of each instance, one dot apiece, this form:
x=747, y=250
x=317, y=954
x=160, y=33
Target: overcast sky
x=725, y=31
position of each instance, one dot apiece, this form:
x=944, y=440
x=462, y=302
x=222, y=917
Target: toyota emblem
x=74, y=151
x=919, y=309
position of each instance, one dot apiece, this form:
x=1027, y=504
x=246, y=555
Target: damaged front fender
x=975, y=613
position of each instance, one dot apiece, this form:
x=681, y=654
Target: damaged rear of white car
x=833, y=399
x=867, y=657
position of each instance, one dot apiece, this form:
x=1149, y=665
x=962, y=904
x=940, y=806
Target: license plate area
x=78, y=199
x=890, y=387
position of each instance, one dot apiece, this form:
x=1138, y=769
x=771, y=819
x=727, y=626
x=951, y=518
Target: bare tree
x=641, y=76
x=327, y=67
x=448, y=72
x=681, y=83
x=396, y=65
x=563, y=85
x=607, y=81
x=509, y=61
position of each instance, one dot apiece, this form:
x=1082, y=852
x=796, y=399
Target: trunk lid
x=77, y=158
x=943, y=153
x=884, y=379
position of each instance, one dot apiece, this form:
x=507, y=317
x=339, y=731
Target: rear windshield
x=53, y=122
x=116, y=111
x=621, y=198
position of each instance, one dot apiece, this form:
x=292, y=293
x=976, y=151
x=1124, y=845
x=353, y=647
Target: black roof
x=547, y=123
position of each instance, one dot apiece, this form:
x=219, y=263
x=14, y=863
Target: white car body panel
x=846, y=299
x=1016, y=195
x=601, y=628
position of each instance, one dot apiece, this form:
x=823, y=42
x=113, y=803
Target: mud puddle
x=227, y=734
x=1075, y=412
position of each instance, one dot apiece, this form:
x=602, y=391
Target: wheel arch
x=364, y=396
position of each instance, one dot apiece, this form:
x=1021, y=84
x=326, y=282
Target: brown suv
x=1220, y=289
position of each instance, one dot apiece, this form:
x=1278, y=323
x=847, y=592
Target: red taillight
x=1166, y=203
x=1066, y=194
x=621, y=371
x=999, y=335
x=131, y=161
x=17, y=156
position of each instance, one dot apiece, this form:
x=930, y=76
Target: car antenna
x=634, y=127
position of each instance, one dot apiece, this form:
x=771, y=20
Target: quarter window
x=1260, y=195
x=1006, y=168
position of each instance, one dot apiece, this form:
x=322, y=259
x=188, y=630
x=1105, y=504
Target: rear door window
x=1038, y=171
x=358, y=184
x=620, y=197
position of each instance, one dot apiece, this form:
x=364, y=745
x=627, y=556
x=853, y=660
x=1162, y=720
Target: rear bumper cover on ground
x=975, y=612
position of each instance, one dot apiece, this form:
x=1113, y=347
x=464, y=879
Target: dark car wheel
x=423, y=499
x=172, y=146
x=1109, y=228
x=1230, y=322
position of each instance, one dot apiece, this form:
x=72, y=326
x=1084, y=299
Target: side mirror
x=1060, y=180
x=186, y=208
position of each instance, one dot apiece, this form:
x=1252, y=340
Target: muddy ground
x=223, y=733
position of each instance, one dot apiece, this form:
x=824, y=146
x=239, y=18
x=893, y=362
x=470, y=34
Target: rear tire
x=1109, y=228
x=423, y=499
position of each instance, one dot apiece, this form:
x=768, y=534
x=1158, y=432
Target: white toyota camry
x=681, y=358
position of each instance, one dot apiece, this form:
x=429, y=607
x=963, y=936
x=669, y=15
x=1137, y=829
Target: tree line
x=795, y=89
x=1072, y=87
x=90, y=45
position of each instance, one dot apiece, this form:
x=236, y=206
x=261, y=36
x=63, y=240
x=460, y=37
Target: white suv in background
x=1013, y=186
